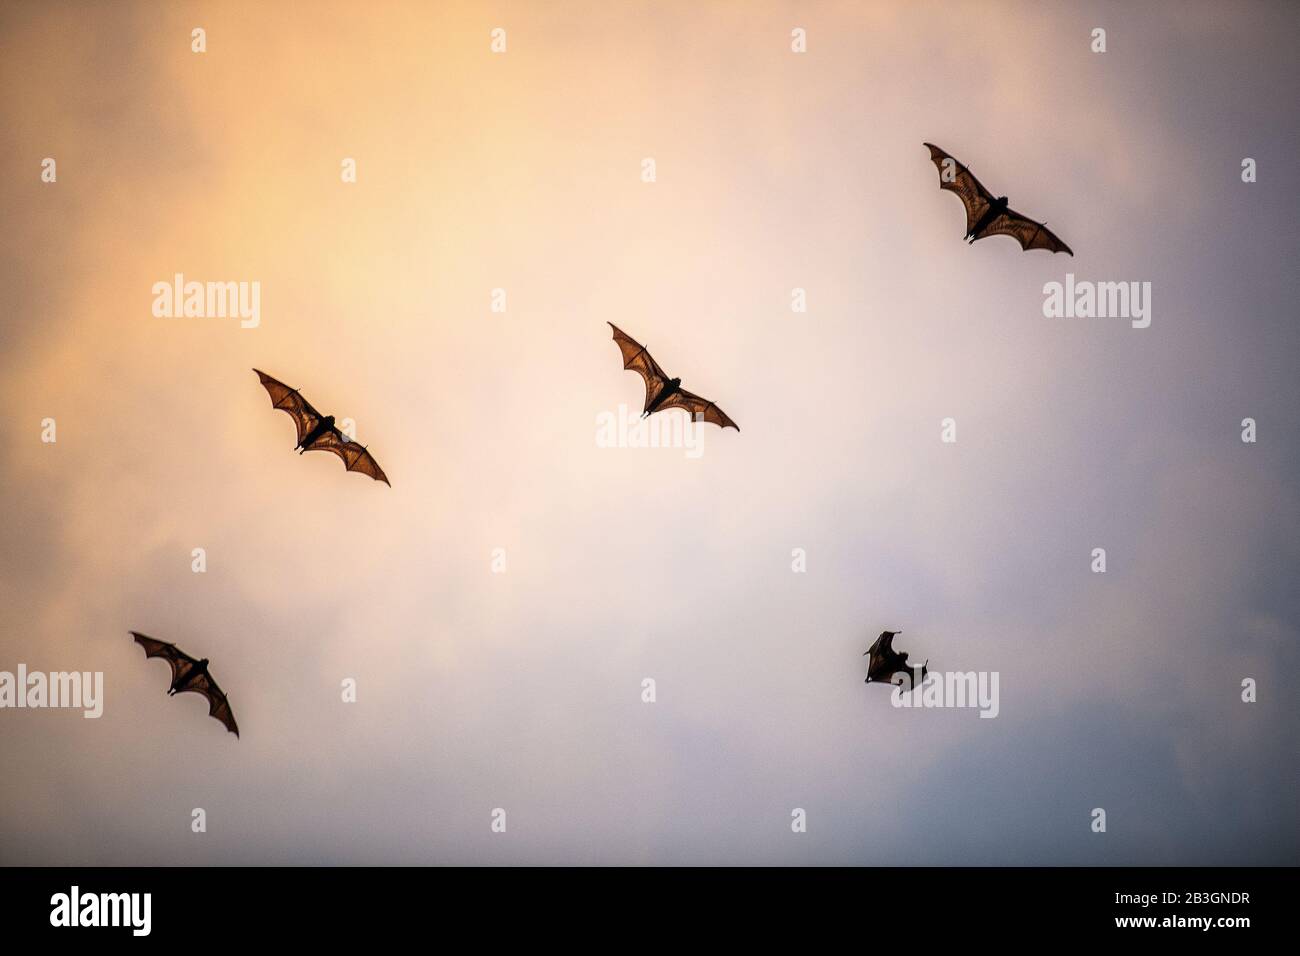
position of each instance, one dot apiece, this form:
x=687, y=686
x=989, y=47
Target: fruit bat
x=884, y=662
x=987, y=216
x=316, y=432
x=660, y=390
x=190, y=675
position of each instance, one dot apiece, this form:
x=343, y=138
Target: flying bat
x=884, y=662
x=989, y=216
x=190, y=675
x=660, y=390
x=317, y=432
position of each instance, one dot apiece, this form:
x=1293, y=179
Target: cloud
x=522, y=690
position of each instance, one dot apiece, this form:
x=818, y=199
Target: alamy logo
x=208, y=300
x=628, y=430
x=102, y=909
x=1103, y=300
x=57, y=689
x=950, y=689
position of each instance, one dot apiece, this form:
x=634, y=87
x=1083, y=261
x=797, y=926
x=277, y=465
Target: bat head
x=328, y=421
x=674, y=382
x=1001, y=201
x=204, y=662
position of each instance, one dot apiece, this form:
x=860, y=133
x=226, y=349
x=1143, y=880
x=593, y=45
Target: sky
x=519, y=687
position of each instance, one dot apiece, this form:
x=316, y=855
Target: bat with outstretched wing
x=987, y=215
x=883, y=662
x=663, y=392
x=317, y=432
x=189, y=674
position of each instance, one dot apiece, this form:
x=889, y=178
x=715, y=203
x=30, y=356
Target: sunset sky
x=775, y=170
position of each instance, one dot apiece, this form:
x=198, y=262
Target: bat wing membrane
x=695, y=405
x=179, y=662
x=882, y=660
x=354, y=455
x=1030, y=234
x=955, y=177
x=636, y=358
x=304, y=416
x=218, y=705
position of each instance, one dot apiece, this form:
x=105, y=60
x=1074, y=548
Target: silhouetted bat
x=885, y=662
x=660, y=390
x=986, y=216
x=316, y=432
x=190, y=675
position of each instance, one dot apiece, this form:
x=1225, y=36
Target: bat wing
x=956, y=178
x=290, y=401
x=883, y=646
x=354, y=455
x=882, y=659
x=912, y=677
x=640, y=361
x=178, y=660
x=1030, y=234
x=218, y=705
x=695, y=405
x=884, y=668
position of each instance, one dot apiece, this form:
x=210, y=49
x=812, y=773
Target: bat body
x=884, y=662
x=989, y=215
x=317, y=432
x=192, y=675
x=661, y=391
